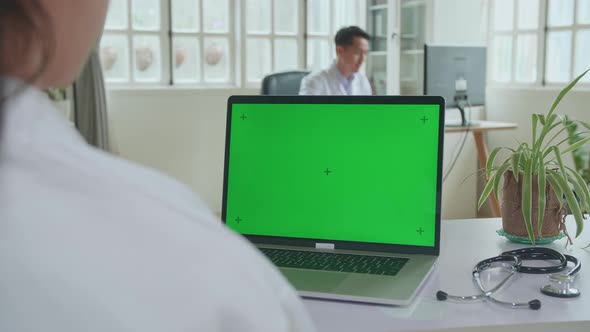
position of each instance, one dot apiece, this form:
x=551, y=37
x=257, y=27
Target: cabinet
x=399, y=29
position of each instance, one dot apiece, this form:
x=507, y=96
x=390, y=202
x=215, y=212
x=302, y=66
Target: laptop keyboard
x=313, y=260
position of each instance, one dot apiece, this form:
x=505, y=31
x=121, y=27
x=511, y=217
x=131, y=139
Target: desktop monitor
x=457, y=73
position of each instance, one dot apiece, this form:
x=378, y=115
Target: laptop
x=341, y=193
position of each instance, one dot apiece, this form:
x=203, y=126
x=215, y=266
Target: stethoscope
x=560, y=282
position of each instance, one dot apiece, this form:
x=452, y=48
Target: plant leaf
x=581, y=199
x=583, y=188
x=571, y=201
x=559, y=162
x=553, y=138
x=527, y=200
x=490, y=163
x=585, y=124
x=499, y=174
x=535, y=120
x=571, y=127
x=490, y=184
x=542, y=194
x=516, y=165
x=556, y=187
x=564, y=92
x=576, y=145
x=547, y=128
x=524, y=147
x=486, y=191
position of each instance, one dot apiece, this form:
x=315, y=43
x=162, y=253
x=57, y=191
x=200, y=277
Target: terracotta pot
x=512, y=218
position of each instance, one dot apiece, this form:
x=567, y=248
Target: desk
x=479, y=128
x=463, y=243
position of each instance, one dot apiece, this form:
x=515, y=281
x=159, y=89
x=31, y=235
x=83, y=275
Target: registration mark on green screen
x=350, y=172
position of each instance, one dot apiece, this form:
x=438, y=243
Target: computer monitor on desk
x=457, y=73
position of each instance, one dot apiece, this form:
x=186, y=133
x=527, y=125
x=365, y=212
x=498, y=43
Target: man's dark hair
x=345, y=36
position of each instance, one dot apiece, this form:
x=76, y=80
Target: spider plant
x=581, y=155
x=541, y=160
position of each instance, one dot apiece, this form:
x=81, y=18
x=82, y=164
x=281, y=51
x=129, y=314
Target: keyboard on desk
x=314, y=260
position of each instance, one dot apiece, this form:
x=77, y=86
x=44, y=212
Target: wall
x=178, y=131
x=182, y=133
x=458, y=22
x=459, y=190
x=518, y=105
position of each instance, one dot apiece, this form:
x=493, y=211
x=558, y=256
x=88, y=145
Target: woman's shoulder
x=42, y=145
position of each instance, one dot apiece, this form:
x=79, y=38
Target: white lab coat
x=326, y=82
x=90, y=242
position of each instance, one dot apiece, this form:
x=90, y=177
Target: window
x=324, y=18
x=131, y=46
x=539, y=42
x=136, y=46
x=568, y=40
x=201, y=41
x=274, y=38
x=223, y=42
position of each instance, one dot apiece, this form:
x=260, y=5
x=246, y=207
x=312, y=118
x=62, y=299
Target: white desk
x=463, y=243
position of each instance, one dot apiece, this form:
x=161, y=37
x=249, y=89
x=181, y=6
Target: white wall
x=178, y=131
x=518, y=104
x=182, y=133
x=459, y=190
x=458, y=22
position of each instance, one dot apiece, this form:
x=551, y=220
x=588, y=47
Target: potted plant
x=535, y=179
x=581, y=155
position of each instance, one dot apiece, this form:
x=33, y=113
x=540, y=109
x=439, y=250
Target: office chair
x=283, y=83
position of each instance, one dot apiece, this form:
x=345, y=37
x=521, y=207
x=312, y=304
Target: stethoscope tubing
x=516, y=257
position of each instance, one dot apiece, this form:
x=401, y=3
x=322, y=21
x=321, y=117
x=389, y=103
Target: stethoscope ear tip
x=441, y=296
x=535, y=304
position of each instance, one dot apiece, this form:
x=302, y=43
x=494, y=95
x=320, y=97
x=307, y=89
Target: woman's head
x=46, y=42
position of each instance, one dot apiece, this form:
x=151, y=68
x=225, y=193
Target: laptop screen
x=360, y=169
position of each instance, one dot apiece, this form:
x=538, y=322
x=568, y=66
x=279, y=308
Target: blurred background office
x=170, y=65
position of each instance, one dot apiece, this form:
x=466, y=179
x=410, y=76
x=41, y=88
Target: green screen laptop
x=341, y=193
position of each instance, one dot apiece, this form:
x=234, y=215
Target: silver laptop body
x=342, y=193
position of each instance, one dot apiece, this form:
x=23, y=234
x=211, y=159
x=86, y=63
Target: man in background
x=343, y=77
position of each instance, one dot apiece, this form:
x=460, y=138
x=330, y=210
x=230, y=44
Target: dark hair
x=31, y=19
x=345, y=36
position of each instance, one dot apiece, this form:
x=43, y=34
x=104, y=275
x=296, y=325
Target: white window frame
x=233, y=55
x=541, y=32
x=361, y=19
x=129, y=33
x=237, y=46
x=272, y=36
x=166, y=48
x=574, y=28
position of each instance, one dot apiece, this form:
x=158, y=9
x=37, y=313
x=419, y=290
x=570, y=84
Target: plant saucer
x=526, y=240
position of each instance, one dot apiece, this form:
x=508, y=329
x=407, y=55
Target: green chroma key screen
x=350, y=172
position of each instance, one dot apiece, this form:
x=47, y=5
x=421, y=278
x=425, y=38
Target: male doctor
x=342, y=78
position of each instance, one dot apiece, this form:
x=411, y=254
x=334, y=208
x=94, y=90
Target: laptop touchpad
x=314, y=281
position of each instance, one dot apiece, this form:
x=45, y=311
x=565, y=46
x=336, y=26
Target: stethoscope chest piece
x=561, y=286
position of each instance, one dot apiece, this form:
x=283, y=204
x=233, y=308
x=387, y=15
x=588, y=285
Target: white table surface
x=464, y=243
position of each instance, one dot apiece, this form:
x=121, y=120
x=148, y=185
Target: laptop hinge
x=325, y=246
